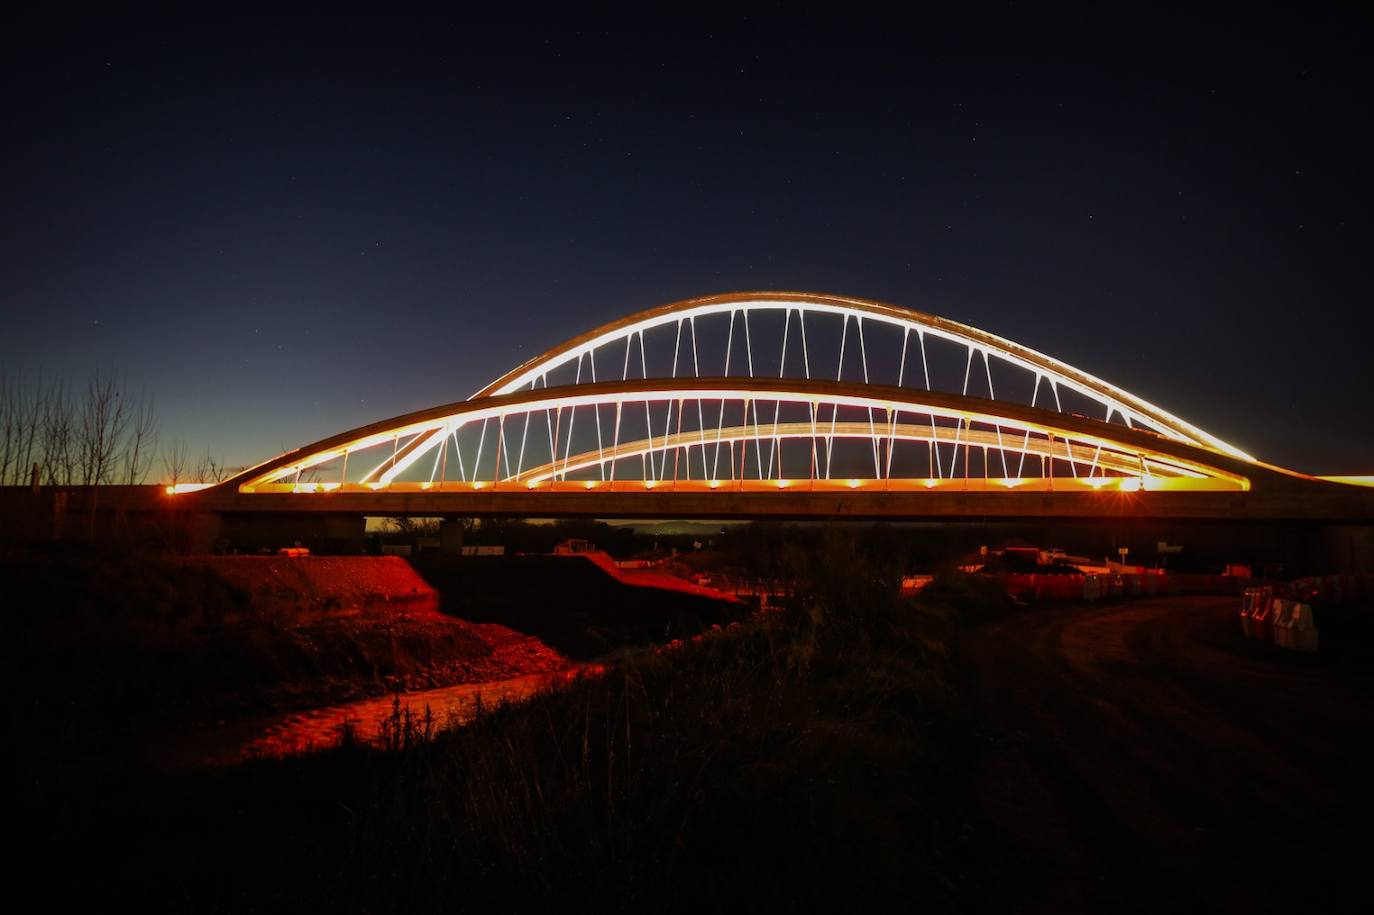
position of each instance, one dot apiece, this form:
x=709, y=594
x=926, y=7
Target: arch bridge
x=785, y=404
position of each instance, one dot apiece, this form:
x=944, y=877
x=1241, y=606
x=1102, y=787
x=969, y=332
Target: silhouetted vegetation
x=518, y=535
x=801, y=760
x=101, y=433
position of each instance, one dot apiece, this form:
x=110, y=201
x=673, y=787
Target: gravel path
x=1143, y=757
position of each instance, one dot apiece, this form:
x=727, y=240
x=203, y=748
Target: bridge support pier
x=451, y=536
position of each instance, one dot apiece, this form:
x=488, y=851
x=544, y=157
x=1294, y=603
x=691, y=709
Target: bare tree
x=407, y=526
x=104, y=434
x=142, y=444
x=20, y=424
x=103, y=423
x=176, y=460
x=10, y=400
x=209, y=470
x=58, y=454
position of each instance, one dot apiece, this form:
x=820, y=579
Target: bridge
x=785, y=405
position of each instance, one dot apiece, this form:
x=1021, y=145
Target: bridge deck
x=1298, y=500
x=1337, y=504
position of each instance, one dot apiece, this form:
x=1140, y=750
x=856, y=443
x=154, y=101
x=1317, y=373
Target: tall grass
x=802, y=760
x=794, y=762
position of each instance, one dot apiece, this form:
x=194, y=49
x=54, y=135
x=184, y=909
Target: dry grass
x=804, y=761
x=792, y=762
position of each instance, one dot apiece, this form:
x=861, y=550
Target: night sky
x=285, y=230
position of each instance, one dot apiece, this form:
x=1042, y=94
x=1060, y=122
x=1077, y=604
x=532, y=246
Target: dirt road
x=1142, y=757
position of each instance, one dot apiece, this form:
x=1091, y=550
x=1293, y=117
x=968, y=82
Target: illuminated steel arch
x=790, y=420
x=680, y=320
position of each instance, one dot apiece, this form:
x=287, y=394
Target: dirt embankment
x=579, y=607
x=370, y=624
x=115, y=647
x=319, y=583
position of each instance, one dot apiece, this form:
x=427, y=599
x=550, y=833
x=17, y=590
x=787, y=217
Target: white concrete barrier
x=1283, y=621
x=1302, y=633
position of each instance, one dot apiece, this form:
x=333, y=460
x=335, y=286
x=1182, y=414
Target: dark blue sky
x=283, y=231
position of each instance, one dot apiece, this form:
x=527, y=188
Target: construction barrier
x=1092, y=587
x=1281, y=623
x=1332, y=590
x=1261, y=622
x=1039, y=587
x=1289, y=614
x=1251, y=600
x=1302, y=633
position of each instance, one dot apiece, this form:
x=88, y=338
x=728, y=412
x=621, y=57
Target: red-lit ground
x=319, y=582
x=1143, y=757
x=372, y=624
x=501, y=665
x=653, y=578
x=292, y=733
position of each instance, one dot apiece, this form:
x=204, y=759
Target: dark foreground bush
x=798, y=762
